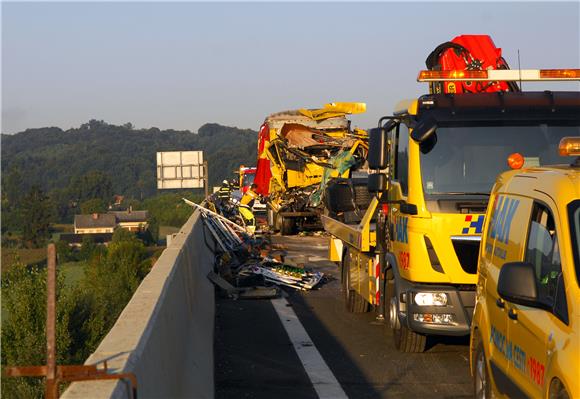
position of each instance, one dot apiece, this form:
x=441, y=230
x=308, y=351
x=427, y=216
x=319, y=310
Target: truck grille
x=467, y=251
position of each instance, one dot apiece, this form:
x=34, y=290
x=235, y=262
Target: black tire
x=387, y=293
x=353, y=301
x=360, y=304
x=405, y=340
x=481, y=381
x=287, y=226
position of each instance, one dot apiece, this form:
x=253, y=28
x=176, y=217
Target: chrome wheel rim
x=393, y=317
x=480, y=377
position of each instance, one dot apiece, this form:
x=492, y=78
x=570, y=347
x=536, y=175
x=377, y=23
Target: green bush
x=24, y=328
x=85, y=313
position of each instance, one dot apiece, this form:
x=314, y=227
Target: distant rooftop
x=129, y=216
x=95, y=220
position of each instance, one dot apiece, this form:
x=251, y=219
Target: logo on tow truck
x=475, y=225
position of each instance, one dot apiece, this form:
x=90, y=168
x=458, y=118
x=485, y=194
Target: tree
x=88, y=248
x=24, y=327
x=12, y=186
x=99, y=159
x=111, y=279
x=64, y=251
x=36, y=215
x=11, y=195
x=63, y=209
x=91, y=185
x=95, y=205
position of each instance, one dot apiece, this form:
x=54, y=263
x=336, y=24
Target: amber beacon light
x=515, y=160
x=569, y=146
x=500, y=75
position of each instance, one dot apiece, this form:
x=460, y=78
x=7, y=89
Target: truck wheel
x=360, y=304
x=287, y=226
x=405, y=339
x=353, y=301
x=481, y=381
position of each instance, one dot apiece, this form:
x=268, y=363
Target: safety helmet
x=225, y=182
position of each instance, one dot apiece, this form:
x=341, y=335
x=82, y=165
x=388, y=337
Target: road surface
x=261, y=351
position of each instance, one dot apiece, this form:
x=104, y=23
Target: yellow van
x=525, y=335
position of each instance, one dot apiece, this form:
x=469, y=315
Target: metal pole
x=205, y=179
x=51, y=382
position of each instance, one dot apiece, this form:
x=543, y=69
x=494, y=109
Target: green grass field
x=11, y=256
x=73, y=272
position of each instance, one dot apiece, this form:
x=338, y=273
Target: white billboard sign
x=180, y=169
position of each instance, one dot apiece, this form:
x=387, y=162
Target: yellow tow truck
x=413, y=255
x=299, y=152
x=525, y=339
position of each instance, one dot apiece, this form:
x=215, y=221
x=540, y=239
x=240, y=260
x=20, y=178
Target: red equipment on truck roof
x=470, y=53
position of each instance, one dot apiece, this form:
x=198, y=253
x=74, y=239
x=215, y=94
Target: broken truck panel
x=299, y=152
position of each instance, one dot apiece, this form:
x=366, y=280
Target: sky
x=180, y=65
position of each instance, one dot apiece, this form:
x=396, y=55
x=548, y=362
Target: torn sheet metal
x=281, y=274
x=341, y=162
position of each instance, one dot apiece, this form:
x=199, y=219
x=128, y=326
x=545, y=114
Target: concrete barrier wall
x=165, y=334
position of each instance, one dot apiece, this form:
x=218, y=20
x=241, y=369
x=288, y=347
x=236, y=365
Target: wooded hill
x=52, y=158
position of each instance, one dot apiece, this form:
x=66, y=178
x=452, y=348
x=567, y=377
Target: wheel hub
x=480, y=377
x=393, y=315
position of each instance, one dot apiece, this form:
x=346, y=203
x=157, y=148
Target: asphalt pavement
x=255, y=358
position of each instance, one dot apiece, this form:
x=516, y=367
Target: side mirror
x=378, y=150
x=424, y=129
x=427, y=145
x=517, y=284
x=377, y=183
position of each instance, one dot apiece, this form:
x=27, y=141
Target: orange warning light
x=569, y=146
x=515, y=160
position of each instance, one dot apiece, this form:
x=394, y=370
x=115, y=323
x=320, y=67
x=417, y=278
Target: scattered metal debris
x=247, y=265
x=281, y=274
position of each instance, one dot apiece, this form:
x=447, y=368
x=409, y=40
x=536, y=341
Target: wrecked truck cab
x=299, y=152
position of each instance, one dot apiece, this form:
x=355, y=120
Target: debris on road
x=281, y=274
x=244, y=292
x=247, y=265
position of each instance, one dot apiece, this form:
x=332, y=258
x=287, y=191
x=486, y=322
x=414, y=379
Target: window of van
x=574, y=217
x=543, y=252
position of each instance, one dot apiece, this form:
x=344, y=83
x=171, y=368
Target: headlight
x=431, y=299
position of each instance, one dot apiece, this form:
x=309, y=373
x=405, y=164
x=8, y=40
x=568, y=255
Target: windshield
x=574, y=216
x=467, y=159
x=249, y=179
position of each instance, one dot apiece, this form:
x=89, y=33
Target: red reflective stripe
x=377, y=280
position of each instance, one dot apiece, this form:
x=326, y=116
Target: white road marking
x=325, y=383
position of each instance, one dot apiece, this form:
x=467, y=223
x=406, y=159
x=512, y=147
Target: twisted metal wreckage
x=248, y=264
x=299, y=152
